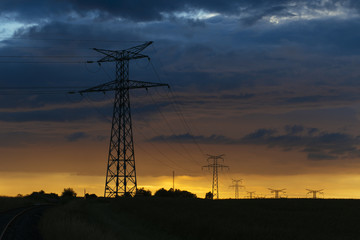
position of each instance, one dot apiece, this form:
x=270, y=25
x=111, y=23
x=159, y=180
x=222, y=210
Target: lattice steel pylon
x=237, y=186
x=121, y=172
x=277, y=191
x=215, y=166
x=314, y=192
x=251, y=194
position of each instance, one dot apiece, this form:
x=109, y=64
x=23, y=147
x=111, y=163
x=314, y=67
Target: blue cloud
x=76, y=136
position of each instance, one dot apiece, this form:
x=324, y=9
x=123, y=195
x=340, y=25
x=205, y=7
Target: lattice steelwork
x=121, y=172
x=277, y=191
x=236, y=185
x=215, y=165
x=314, y=192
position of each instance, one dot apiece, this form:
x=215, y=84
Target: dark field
x=155, y=218
x=7, y=203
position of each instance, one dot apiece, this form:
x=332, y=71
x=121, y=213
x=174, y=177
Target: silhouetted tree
x=176, y=194
x=68, y=193
x=90, y=196
x=162, y=192
x=143, y=192
x=209, y=195
x=184, y=194
x=41, y=195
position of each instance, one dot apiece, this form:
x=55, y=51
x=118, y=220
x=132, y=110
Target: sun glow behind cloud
x=193, y=14
x=8, y=26
x=301, y=12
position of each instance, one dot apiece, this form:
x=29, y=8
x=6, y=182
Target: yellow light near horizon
x=335, y=186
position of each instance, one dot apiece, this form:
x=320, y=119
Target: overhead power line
x=50, y=62
x=71, y=40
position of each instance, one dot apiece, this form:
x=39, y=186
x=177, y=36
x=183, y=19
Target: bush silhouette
x=175, y=194
x=209, y=195
x=90, y=196
x=68, y=193
x=142, y=192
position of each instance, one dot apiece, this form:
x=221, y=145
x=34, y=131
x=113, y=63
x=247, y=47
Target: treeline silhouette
x=69, y=193
x=174, y=194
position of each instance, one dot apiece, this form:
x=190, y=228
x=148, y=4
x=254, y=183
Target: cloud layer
x=253, y=66
x=319, y=145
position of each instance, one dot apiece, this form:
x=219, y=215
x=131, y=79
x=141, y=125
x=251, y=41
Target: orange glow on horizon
x=335, y=186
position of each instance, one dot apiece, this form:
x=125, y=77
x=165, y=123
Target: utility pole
x=120, y=173
x=314, y=192
x=214, y=164
x=237, y=186
x=251, y=194
x=174, y=181
x=277, y=191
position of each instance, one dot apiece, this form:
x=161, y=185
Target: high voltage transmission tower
x=251, y=194
x=277, y=191
x=314, y=192
x=236, y=186
x=215, y=165
x=121, y=174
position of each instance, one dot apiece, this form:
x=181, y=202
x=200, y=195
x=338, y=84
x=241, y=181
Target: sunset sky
x=273, y=85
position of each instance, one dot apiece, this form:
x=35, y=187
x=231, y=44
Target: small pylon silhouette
x=215, y=166
x=236, y=186
x=314, y=192
x=251, y=194
x=277, y=191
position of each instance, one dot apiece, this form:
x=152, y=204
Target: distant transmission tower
x=314, y=192
x=236, y=186
x=121, y=174
x=251, y=194
x=213, y=163
x=277, y=191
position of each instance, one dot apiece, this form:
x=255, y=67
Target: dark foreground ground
x=151, y=218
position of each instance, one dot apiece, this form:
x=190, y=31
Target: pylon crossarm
x=133, y=51
x=140, y=84
x=111, y=58
x=113, y=85
x=109, y=86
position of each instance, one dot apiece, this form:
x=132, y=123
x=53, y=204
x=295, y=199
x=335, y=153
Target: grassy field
x=7, y=203
x=151, y=218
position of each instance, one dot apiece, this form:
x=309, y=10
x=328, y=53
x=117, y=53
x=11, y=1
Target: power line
x=35, y=90
x=139, y=146
x=72, y=40
x=50, y=62
x=45, y=56
x=178, y=111
x=173, y=132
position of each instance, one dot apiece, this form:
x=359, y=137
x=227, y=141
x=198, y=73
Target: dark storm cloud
x=321, y=156
x=88, y=111
x=317, y=144
x=190, y=138
x=143, y=10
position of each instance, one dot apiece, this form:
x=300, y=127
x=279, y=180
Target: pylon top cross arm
x=121, y=55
